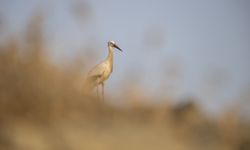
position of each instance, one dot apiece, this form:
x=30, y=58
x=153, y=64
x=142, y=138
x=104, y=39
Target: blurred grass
x=43, y=107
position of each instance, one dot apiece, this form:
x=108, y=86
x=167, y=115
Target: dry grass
x=43, y=107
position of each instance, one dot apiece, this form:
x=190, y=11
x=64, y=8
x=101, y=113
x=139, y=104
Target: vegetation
x=43, y=107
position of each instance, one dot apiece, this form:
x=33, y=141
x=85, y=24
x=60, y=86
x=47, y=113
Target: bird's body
x=101, y=72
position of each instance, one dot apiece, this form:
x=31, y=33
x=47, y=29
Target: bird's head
x=112, y=44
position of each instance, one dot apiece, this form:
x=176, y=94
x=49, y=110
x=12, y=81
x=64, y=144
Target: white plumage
x=101, y=72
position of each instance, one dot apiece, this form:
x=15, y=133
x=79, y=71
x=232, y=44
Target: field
x=43, y=107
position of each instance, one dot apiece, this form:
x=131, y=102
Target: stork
x=101, y=72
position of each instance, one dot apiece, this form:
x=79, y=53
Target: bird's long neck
x=110, y=56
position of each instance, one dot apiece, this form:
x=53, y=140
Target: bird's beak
x=117, y=47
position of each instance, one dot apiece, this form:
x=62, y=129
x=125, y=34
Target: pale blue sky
x=203, y=37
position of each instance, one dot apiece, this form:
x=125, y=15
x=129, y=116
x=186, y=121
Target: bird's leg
x=103, y=91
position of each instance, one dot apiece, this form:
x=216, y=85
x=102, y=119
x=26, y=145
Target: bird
x=101, y=72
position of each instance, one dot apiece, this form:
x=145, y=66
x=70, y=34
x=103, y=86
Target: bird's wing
x=93, y=75
x=98, y=70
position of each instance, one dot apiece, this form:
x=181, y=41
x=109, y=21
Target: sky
x=204, y=43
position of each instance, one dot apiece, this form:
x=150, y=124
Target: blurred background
x=182, y=81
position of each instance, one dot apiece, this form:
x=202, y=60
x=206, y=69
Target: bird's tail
x=89, y=84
